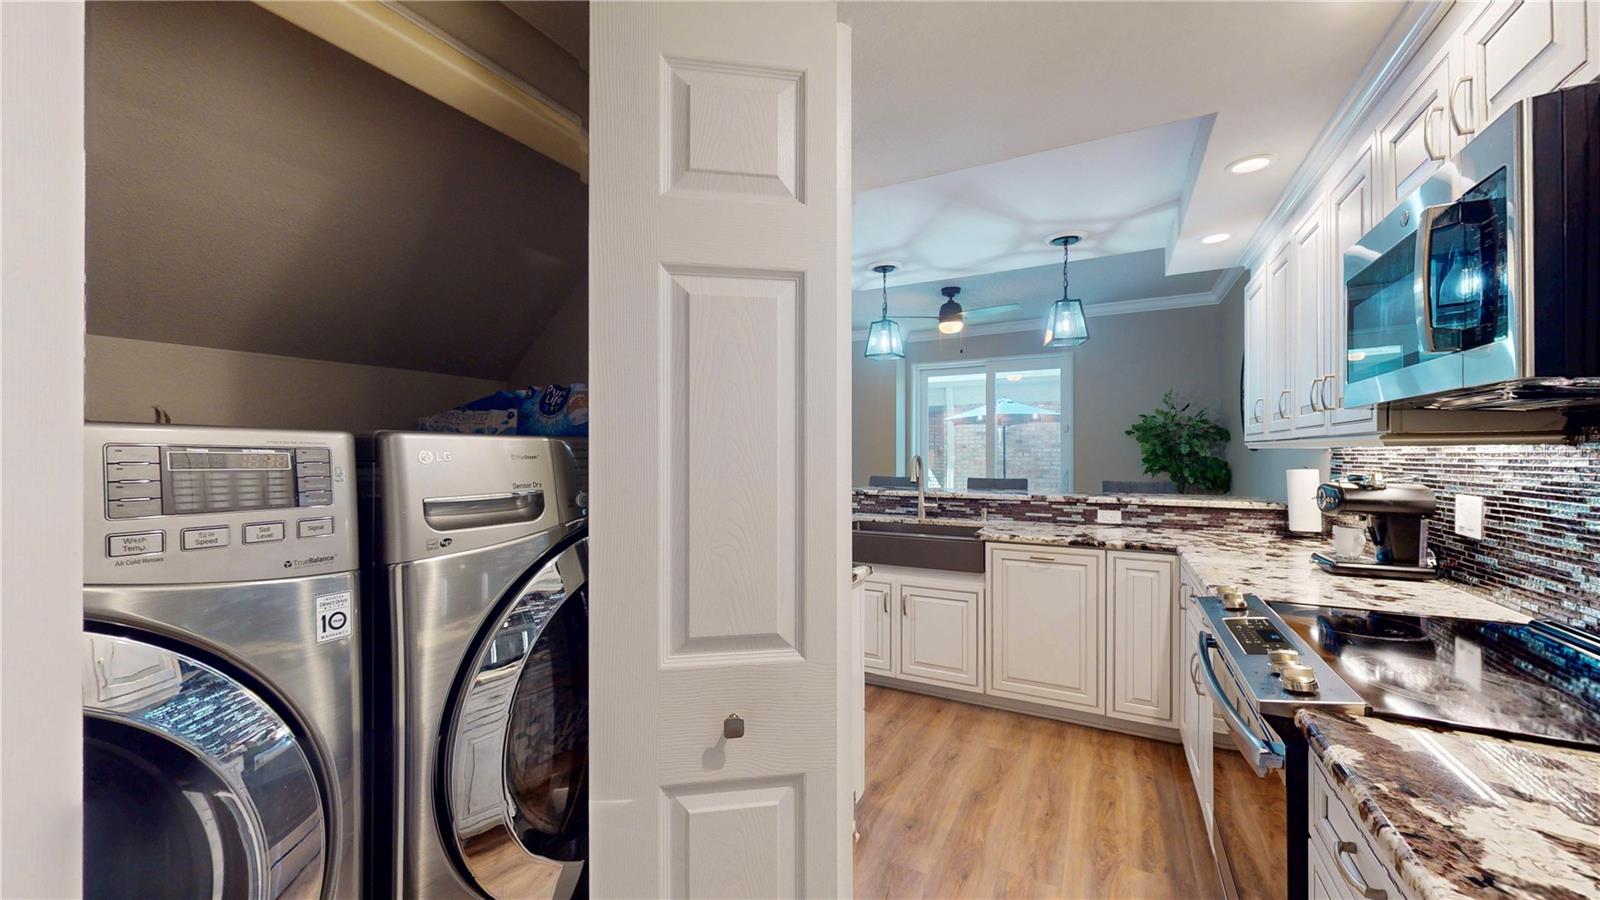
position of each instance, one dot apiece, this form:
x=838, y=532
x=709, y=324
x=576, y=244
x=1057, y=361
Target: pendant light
x=1066, y=325
x=885, y=340
x=951, y=320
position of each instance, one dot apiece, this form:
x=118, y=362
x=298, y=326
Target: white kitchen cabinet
x=1140, y=631
x=1045, y=625
x=1415, y=140
x=1307, y=321
x=1279, y=336
x=877, y=625
x=1350, y=206
x=1351, y=866
x=1514, y=49
x=939, y=639
x=1196, y=717
x=1255, y=356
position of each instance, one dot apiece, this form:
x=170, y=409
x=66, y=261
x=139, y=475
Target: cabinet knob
x=733, y=727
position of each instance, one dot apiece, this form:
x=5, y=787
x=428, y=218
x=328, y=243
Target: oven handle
x=1425, y=220
x=1262, y=755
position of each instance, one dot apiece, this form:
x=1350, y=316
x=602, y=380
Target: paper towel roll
x=1304, y=516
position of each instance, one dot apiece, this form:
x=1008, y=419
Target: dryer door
x=513, y=782
x=193, y=786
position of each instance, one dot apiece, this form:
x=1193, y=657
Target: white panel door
x=719, y=460
x=939, y=635
x=1279, y=344
x=1350, y=213
x=1255, y=356
x=1139, y=605
x=1415, y=140
x=877, y=626
x=1515, y=49
x=1307, y=314
x=1044, y=625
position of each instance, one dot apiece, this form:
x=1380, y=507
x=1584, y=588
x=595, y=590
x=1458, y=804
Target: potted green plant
x=1185, y=446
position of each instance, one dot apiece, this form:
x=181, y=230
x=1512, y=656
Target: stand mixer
x=1397, y=522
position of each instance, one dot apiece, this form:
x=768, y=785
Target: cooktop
x=1539, y=681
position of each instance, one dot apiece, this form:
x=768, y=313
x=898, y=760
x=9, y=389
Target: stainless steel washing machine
x=221, y=675
x=481, y=718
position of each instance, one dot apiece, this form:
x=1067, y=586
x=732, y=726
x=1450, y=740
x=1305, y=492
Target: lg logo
x=428, y=456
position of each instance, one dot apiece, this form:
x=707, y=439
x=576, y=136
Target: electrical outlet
x=1108, y=516
x=1469, y=516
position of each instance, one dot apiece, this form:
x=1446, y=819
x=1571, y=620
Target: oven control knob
x=1232, y=598
x=1299, y=679
x=1277, y=659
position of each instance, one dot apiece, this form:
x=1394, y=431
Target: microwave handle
x=1425, y=220
x=1262, y=755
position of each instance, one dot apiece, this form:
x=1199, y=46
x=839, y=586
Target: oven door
x=1250, y=812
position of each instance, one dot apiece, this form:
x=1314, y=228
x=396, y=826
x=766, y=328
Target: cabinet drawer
x=1335, y=834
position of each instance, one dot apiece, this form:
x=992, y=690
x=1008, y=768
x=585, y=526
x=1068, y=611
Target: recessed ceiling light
x=1250, y=164
x=1217, y=238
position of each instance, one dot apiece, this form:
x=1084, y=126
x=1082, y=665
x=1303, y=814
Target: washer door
x=513, y=783
x=193, y=786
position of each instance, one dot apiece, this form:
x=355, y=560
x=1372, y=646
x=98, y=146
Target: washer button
x=314, y=527
x=133, y=490
x=132, y=509
x=315, y=498
x=121, y=453
x=313, y=454
x=141, y=543
x=205, y=538
x=263, y=532
x=132, y=471
x=316, y=483
x=312, y=468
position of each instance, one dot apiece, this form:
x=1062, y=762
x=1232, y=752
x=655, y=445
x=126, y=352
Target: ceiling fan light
x=950, y=317
x=1066, y=326
x=885, y=340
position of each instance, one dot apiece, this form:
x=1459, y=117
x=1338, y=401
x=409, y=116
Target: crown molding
x=1410, y=30
x=1225, y=283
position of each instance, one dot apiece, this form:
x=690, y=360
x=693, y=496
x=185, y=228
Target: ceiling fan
x=952, y=318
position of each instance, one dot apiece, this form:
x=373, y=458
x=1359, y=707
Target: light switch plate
x=1108, y=516
x=1469, y=516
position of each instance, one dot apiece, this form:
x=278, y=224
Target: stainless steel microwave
x=1481, y=290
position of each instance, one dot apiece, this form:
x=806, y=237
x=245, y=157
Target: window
x=1000, y=418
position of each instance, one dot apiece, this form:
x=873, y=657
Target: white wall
x=207, y=386
x=41, y=427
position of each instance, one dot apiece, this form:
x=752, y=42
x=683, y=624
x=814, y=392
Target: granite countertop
x=1208, y=501
x=1271, y=565
x=1459, y=814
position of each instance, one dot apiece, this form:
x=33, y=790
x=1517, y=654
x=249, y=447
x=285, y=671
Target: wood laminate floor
x=966, y=801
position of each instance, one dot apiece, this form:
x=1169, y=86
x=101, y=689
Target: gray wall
x=876, y=388
x=1256, y=473
x=560, y=354
x=1129, y=362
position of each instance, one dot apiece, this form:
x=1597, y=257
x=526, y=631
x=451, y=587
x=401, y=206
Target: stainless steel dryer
x=480, y=542
x=221, y=678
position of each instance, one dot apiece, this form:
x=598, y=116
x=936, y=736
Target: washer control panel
x=184, y=505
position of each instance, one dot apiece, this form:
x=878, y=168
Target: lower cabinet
x=1140, y=632
x=877, y=625
x=939, y=633
x=1045, y=625
x=1343, y=863
x=1196, y=717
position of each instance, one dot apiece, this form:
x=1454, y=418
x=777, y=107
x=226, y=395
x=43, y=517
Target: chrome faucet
x=919, y=476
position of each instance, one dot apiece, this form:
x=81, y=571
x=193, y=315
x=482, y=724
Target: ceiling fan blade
x=992, y=310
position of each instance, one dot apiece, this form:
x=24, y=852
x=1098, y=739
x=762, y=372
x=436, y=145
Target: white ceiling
x=1097, y=282
x=1151, y=101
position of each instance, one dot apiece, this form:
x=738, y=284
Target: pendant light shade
x=951, y=320
x=1066, y=325
x=885, y=339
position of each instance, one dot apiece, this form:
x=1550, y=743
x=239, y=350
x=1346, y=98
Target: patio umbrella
x=1007, y=412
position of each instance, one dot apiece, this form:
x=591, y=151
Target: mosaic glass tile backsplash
x=1540, y=551
x=1078, y=510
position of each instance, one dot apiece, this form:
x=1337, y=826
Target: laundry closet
x=329, y=653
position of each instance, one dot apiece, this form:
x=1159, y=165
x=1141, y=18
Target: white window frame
x=990, y=366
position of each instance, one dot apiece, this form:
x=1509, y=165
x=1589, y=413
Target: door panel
x=939, y=635
x=1518, y=48
x=1255, y=356
x=1307, y=320
x=877, y=626
x=1044, y=626
x=1414, y=142
x=1141, y=625
x=719, y=253
x=1280, y=316
x=1350, y=207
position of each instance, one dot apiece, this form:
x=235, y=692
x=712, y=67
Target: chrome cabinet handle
x=1255, y=411
x=1455, y=119
x=1352, y=875
x=1327, y=382
x=1048, y=559
x=886, y=603
x=902, y=604
x=1194, y=672
x=1283, y=396
x=1314, y=396
x=1427, y=132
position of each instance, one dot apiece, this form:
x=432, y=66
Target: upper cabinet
x=1482, y=57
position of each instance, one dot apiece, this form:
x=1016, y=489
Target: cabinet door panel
x=1255, y=356
x=1414, y=143
x=939, y=635
x=1518, y=48
x=1140, y=606
x=1279, y=332
x=1044, y=626
x=1306, y=321
x=876, y=630
x=1350, y=210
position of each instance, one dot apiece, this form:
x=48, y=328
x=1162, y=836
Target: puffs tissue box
x=556, y=410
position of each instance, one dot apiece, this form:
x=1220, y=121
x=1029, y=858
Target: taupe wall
x=560, y=353
x=124, y=378
x=1256, y=473
x=1125, y=368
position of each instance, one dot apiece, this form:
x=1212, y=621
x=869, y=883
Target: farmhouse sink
x=919, y=545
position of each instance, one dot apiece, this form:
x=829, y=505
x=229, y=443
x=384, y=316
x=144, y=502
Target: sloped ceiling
x=251, y=187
